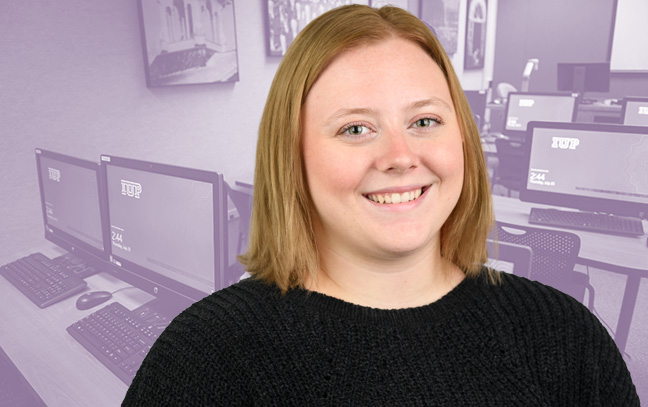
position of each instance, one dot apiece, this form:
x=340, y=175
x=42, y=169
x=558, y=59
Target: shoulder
x=205, y=347
x=232, y=317
x=539, y=306
x=528, y=295
x=233, y=306
x=542, y=317
x=558, y=335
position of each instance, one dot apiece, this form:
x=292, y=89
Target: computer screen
x=167, y=225
x=71, y=203
x=593, y=167
x=635, y=111
x=525, y=107
x=584, y=77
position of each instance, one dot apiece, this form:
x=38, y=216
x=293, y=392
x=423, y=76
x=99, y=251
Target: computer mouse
x=92, y=299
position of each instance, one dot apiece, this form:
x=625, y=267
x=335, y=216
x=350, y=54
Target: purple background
x=72, y=81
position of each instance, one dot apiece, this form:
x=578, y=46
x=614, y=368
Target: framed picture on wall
x=188, y=41
x=476, y=19
x=286, y=18
x=443, y=17
x=396, y=3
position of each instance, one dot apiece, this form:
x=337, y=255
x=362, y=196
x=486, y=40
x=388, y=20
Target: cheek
x=328, y=172
x=456, y=160
x=447, y=162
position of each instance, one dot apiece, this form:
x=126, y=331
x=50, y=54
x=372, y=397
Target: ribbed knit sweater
x=515, y=344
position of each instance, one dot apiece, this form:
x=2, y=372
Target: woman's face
x=382, y=151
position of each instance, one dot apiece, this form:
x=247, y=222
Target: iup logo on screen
x=131, y=189
x=565, y=143
x=643, y=110
x=526, y=103
x=54, y=174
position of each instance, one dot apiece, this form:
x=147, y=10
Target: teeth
x=395, y=198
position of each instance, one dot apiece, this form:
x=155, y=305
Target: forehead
x=396, y=69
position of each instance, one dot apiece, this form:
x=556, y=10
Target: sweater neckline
x=451, y=303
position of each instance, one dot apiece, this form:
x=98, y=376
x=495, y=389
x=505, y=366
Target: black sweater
x=515, y=344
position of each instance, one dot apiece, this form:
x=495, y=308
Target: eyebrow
x=347, y=112
x=414, y=105
x=430, y=102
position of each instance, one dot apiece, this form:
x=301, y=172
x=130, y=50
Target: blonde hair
x=282, y=247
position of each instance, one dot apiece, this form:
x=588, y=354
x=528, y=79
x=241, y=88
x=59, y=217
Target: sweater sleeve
x=192, y=363
x=601, y=377
x=615, y=386
x=570, y=352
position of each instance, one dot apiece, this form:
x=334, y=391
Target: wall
x=72, y=81
x=558, y=31
x=476, y=79
x=439, y=12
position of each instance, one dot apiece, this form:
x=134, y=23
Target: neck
x=406, y=281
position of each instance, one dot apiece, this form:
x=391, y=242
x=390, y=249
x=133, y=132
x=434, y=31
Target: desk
x=488, y=148
x=618, y=254
x=61, y=371
x=587, y=113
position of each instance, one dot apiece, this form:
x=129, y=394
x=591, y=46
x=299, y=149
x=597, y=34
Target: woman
x=371, y=210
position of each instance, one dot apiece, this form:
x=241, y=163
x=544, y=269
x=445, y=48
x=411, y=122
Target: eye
x=354, y=130
x=426, y=122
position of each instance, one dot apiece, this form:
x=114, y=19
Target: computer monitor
x=72, y=204
x=584, y=77
x=591, y=167
x=167, y=227
x=477, y=101
x=522, y=108
x=634, y=111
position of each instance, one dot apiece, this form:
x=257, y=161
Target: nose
x=396, y=153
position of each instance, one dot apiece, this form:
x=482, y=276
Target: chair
x=502, y=90
x=553, y=260
x=510, y=169
x=241, y=196
x=517, y=255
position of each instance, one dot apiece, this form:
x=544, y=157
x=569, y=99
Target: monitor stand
x=579, y=85
x=160, y=311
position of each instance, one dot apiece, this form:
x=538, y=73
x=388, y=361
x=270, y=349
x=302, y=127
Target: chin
x=407, y=237
x=404, y=248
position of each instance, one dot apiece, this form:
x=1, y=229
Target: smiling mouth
x=395, y=198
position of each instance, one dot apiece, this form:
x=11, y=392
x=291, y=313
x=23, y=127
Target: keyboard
x=592, y=222
x=41, y=280
x=15, y=390
x=119, y=338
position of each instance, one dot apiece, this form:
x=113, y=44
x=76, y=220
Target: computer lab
x=129, y=153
